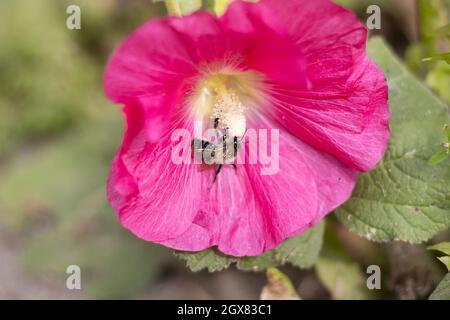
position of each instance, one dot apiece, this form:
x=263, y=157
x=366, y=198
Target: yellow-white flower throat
x=223, y=100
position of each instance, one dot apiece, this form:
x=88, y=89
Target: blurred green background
x=58, y=135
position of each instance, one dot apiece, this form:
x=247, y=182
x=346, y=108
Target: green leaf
x=445, y=261
x=439, y=57
x=442, y=292
x=258, y=263
x=443, y=247
x=209, y=259
x=403, y=198
x=300, y=251
x=438, y=157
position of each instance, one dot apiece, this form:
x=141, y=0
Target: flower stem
x=173, y=7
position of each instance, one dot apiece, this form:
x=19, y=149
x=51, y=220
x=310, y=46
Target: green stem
x=173, y=7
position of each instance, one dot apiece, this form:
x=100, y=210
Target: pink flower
x=299, y=66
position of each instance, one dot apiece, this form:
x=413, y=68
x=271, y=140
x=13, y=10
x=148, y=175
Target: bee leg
x=235, y=146
x=216, y=127
x=217, y=172
x=235, y=150
x=199, y=144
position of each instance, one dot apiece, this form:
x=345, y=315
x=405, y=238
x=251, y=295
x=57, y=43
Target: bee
x=222, y=153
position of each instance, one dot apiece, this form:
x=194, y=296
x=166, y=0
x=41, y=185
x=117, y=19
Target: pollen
x=224, y=100
x=230, y=112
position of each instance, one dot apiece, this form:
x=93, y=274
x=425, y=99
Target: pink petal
x=328, y=98
x=273, y=51
x=169, y=197
x=153, y=60
x=334, y=181
x=352, y=125
x=247, y=213
x=343, y=110
x=328, y=37
x=208, y=42
x=155, y=198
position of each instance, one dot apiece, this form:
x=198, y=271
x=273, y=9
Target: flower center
x=224, y=99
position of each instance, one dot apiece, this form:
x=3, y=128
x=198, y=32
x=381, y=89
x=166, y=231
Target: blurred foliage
x=40, y=86
x=55, y=198
x=339, y=273
x=439, y=79
x=57, y=140
x=442, y=155
x=220, y=6
x=279, y=286
x=182, y=7
x=361, y=5
x=424, y=56
x=51, y=76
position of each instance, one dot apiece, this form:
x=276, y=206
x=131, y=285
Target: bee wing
x=198, y=149
x=199, y=145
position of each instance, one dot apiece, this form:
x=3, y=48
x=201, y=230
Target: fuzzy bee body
x=211, y=153
x=222, y=153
